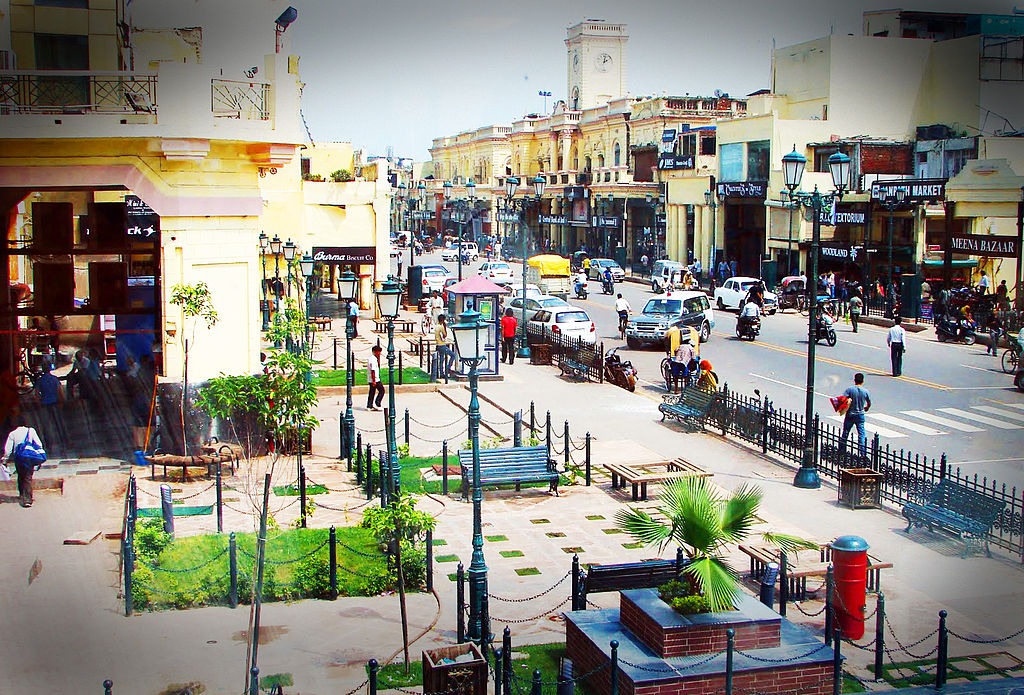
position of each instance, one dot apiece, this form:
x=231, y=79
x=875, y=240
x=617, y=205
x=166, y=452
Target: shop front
x=744, y=220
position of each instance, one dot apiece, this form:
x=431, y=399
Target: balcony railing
x=244, y=100
x=76, y=91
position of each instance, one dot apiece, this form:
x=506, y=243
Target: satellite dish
x=718, y=93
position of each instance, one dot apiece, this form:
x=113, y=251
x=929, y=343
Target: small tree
x=196, y=302
x=341, y=176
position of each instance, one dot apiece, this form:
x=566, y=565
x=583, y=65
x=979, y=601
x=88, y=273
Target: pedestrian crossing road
x=944, y=421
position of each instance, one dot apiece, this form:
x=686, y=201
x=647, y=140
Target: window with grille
x=1002, y=58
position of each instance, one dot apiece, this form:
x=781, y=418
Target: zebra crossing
x=943, y=421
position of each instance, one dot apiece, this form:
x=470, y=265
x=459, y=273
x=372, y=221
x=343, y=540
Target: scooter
x=748, y=328
x=825, y=330
x=956, y=330
x=608, y=286
x=581, y=290
x=619, y=372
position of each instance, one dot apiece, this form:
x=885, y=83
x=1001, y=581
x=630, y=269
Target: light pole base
x=523, y=352
x=807, y=478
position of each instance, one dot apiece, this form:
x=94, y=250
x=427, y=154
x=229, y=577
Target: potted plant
x=694, y=515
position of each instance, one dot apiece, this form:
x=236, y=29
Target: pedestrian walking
x=508, y=336
x=23, y=448
x=353, y=312
x=50, y=397
x=859, y=405
x=856, y=306
x=983, y=283
x=376, y=393
x=897, y=341
x=443, y=347
x=994, y=326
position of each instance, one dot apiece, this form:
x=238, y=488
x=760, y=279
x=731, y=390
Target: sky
x=395, y=73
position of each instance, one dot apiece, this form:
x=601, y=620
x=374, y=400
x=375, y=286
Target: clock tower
x=596, y=54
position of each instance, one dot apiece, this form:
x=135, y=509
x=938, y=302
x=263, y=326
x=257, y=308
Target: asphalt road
x=951, y=399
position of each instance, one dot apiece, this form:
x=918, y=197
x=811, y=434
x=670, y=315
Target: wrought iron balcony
x=237, y=99
x=46, y=91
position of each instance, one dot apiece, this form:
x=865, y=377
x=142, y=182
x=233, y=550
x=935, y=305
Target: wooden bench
x=967, y=513
x=321, y=323
x=401, y=325
x=799, y=569
x=692, y=404
x=572, y=368
x=639, y=475
x=648, y=574
x=508, y=466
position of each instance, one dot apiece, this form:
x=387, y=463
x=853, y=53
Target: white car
x=732, y=293
x=531, y=305
x=450, y=253
x=531, y=290
x=498, y=272
x=568, y=321
x=433, y=278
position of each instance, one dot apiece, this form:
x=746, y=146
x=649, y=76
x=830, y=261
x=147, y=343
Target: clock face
x=603, y=62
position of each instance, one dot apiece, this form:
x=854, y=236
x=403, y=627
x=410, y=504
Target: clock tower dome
x=596, y=54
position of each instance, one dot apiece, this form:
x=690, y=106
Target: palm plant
x=695, y=516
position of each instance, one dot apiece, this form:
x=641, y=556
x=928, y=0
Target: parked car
x=569, y=321
x=734, y=290
x=682, y=308
x=531, y=290
x=498, y=272
x=531, y=305
x=597, y=266
x=662, y=272
x=434, y=277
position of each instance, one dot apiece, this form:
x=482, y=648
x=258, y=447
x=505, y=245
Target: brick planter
x=668, y=634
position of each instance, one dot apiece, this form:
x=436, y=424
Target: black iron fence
x=908, y=475
x=550, y=347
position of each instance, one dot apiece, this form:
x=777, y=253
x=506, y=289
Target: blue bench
x=571, y=367
x=691, y=404
x=509, y=466
x=967, y=513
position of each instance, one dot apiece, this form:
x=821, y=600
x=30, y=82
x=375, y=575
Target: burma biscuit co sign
x=981, y=245
x=357, y=255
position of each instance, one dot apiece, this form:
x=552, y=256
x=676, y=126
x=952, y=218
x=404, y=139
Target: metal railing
x=589, y=354
x=76, y=91
x=243, y=100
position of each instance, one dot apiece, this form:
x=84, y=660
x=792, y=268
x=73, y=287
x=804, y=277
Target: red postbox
x=850, y=573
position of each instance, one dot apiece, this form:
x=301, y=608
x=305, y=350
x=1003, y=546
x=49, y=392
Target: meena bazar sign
x=984, y=245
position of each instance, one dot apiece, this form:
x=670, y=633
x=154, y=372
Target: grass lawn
x=411, y=479
x=193, y=571
x=336, y=377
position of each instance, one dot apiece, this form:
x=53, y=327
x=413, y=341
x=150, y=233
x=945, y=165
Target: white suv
x=498, y=272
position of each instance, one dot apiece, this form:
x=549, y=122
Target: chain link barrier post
x=574, y=573
x=614, y=671
x=254, y=680
x=359, y=459
x=829, y=607
x=506, y=655
x=220, y=499
x=302, y=496
x=764, y=426
x=547, y=433
x=444, y=467
x=232, y=570
x=837, y=661
x=406, y=427
x=341, y=438
x=537, y=685
x=942, y=660
x=568, y=445
x=460, y=603
x=368, y=458
x=587, y=459
x=730, y=647
x=128, y=562
x=533, y=421
x=879, y=636
x=108, y=687
x=332, y=536
x=372, y=664
x=430, y=560
x=783, y=582
x=517, y=428
x=498, y=675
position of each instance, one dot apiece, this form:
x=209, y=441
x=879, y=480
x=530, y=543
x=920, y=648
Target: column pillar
x=698, y=233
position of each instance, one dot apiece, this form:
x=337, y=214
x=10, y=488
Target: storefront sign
x=839, y=252
x=357, y=255
x=844, y=215
x=917, y=190
x=675, y=161
x=506, y=216
x=421, y=215
x=554, y=219
x=742, y=189
x=985, y=245
x=143, y=222
x=602, y=221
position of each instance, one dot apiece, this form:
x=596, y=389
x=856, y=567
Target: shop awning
x=968, y=263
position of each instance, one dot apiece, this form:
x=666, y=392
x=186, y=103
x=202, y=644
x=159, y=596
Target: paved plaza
x=64, y=600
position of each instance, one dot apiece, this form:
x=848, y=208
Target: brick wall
x=806, y=680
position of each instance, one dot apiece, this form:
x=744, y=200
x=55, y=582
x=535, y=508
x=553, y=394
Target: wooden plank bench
x=401, y=325
x=572, y=368
x=508, y=466
x=799, y=569
x=321, y=323
x=691, y=404
x=639, y=475
x=648, y=574
x=967, y=513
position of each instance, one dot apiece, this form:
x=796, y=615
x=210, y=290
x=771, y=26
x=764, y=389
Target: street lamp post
x=511, y=184
x=289, y=248
x=275, y=248
x=265, y=303
x=791, y=204
x=389, y=299
x=470, y=340
x=711, y=202
x=793, y=165
x=461, y=211
x=891, y=202
x=306, y=265
x=347, y=283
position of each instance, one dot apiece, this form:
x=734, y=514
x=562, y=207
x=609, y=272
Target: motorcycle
x=619, y=372
x=956, y=330
x=748, y=328
x=581, y=291
x=608, y=286
x=825, y=331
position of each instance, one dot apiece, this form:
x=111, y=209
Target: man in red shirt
x=508, y=336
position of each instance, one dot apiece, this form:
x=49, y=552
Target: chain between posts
x=672, y=669
x=518, y=621
x=978, y=640
x=765, y=660
x=530, y=598
x=311, y=553
x=187, y=569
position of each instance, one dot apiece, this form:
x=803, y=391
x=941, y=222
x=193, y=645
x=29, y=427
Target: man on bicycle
x=681, y=362
x=622, y=308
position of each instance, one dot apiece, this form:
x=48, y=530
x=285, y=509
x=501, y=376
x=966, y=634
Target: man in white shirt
x=376, y=393
x=436, y=305
x=353, y=312
x=750, y=313
x=897, y=345
x=983, y=283
x=25, y=468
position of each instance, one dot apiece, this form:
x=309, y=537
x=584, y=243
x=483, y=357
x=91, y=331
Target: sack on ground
x=840, y=404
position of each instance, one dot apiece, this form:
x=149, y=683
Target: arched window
x=575, y=99
x=600, y=161
x=618, y=155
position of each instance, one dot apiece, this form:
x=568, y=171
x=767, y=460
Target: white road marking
x=853, y=342
x=967, y=415
x=987, y=370
x=792, y=386
x=872, y=428
x=1013, y=405
x=943, y=422
x=1019, y=417
x=905, y=424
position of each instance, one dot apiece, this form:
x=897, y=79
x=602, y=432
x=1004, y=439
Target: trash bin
x=860, y=488
x=540, y=353
x=455, y=670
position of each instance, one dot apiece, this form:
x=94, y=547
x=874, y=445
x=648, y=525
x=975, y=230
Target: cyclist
x=622, y=308
x=608, y=280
